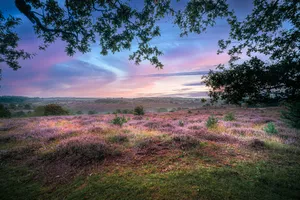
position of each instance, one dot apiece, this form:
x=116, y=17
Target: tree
x=54, y=109
x=4, y=112
x=9, y=42
x=272, y=30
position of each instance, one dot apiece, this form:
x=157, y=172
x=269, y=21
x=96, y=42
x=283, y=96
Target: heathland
x=222, y=152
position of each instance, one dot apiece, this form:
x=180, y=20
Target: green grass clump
x=229, y=117
x=270, y=128
x=118, y=138
x=212, y=122
x=119, y=120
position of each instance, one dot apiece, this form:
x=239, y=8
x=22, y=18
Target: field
x=169, y=155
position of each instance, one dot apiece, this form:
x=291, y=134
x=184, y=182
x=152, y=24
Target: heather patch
x=81, y=150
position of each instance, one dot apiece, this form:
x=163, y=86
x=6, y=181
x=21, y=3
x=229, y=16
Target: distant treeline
x=13, y=99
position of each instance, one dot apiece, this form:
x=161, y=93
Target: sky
x=52, y=73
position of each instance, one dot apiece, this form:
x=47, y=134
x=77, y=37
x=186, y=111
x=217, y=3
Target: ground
x=170, y=155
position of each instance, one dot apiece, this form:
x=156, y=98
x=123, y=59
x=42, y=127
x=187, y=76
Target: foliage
x=39, y=111
x=9, y=42
x=27, y=106
x=263, y=32
x=270, y=128
x=79, y=112
x=119, y=120
x=189, y=112
x=203, y=100
x=13, y=99
x=19, y=114
x=229, y=117
x=12, y=106
x=121, y=138
x=92, y=112
x=54, y=109
x=256, y=82
x=139, y=110
x=4, y=112
x=292, y=114
x=211, y=122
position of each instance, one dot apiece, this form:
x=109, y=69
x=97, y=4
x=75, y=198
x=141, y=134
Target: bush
x=118, y=138
x=270, y=128
x=211, y=122
x=203, y=100
x=79, y=112
x=229, y=117
x=54, y=109
x=19, y=114
x=4, y=112
x=27, y=107
x=139, y=110
x=119, y=120
x=92, y=112
x=39, y=111
x=292, y=115
x=189, y=112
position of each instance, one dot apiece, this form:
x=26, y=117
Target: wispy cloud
x=193, y=73
x=194, y=84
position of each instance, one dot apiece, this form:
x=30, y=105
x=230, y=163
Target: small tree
x=4, y=112
x=139, y=110
x=54, y=109
x=118, y=120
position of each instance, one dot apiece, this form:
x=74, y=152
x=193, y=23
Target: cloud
x=194, y=84
x=193, y=73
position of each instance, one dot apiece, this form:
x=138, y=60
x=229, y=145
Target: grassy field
x=156, y=156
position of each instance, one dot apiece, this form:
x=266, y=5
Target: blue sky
x=52, y=73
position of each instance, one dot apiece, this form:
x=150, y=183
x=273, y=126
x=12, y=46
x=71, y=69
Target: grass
x=154, y=157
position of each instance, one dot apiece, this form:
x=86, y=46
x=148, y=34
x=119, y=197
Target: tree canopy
x=271, y=29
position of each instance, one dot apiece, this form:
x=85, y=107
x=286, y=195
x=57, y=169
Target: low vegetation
x=212, y=122
x=159, y=156
x=139, y=110
x=4, y=112
x=119, y=120
x=54, y=109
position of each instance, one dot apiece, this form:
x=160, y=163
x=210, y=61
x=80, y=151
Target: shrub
x=270, y=128
x=27, y=107
x=119, y=120
x=54, y=109
x=229, y=117
x=4, y=112
x=203, y=100
x=19, y=114
x=186, y=142
x=189, y=112
x=118, y=111
x=79, y=112
x=118, y=138
x=139, y=110
x=81, y=149
x=39, y=111
x=292, y=114
x=92, y=112
x=181, y=123
x=211, y=122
